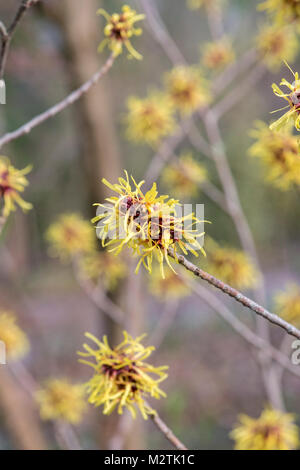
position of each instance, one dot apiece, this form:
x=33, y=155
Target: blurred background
x=213, y=374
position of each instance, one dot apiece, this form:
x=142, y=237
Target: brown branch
x=7, y=34
x=235, y=96
x=98, y=296
x=51, y=112
x=167, y=432
x=235, y=294
x=160, y=33
x=241, y=328
x=164, y=154
x=166, y=319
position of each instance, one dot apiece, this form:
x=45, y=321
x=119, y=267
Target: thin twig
x=98, y=296
x=64, y=433
x=7, y=34
x=167, y=432
x=234, y=70
x=166, y=319
x=235, y=294
x=236, y=95
x=66, y=436
x=53, y=111
x=160, y=33
x=164, y=153
x=241, y=328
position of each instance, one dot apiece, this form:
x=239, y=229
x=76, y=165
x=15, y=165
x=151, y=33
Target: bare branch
x=166, y=319
x=164, y=154
x=238, y=93
x=160, y=33
x=69, y=100
x=98, y=296
x=167, y=432
x=235, y=294
x=7, y=34
x=243, y=330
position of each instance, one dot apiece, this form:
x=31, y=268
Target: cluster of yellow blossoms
x=147, y=223
x=273, y=430
x=187, y=89
x=282, y=11
x=218, y=54
x=279, y=152
x=61, y=400
x=12, y=182
x=184, y=176
x=121, y=377
x=230, y=265
x=70, y=236
x=15, y=340
x=288, y=304
x=276, y=44
x=149, y=119
x=154, y=117
x=120, y=29
x=101, y=265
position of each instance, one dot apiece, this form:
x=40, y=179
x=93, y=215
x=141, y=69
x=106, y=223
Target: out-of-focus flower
x=149, y=119
x=273, y=430
x=147, y=223
x=196, y=4
x=12, y=182
x=61, y=400
x=187, y=88
x=230, y=265
x=276, y=44
x=282, y=11
x=288, y=304
x=172, y=287
x=293, y=99
x=279, y=152
x=103, y=266
x=185, y=176
x=216, y=55
x=120, y=29
x=15, y=340
x=70, y=236
x=121, y=377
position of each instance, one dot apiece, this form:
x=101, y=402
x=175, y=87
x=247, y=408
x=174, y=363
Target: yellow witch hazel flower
x=146, y=223
x=273, y=430
x=103, y=266
x=70, y=236
x=293, y=99
x=120, y=29
x=276, y=44
x=279, y=152
x=61, y=400
x=230, y=265
x=121, y=377
x=149, y=119
x=12, y=182
x=288, y=304
x=187, y=88
x=218, y=54
x=184, y=176
x=282, y=11
x=14, y=338
x=172, y=287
